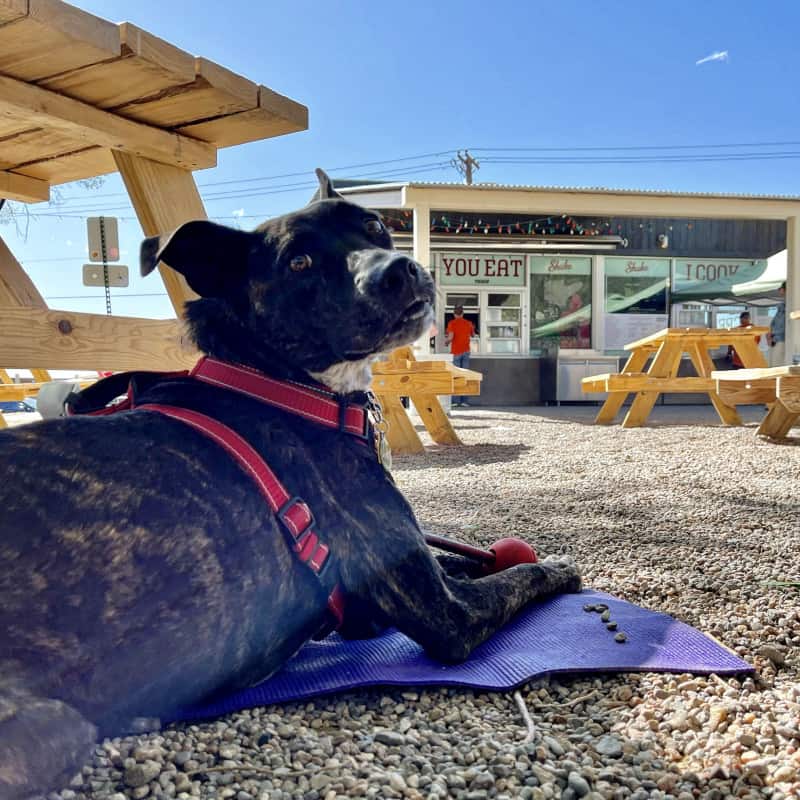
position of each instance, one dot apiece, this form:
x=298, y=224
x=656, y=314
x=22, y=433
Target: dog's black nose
x=400, y=276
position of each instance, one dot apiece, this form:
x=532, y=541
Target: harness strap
x=291, y=511
x=316, y=404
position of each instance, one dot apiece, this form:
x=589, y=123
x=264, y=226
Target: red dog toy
x=501, y=555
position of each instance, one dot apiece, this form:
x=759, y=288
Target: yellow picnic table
x=666, y=349
x=401, y=375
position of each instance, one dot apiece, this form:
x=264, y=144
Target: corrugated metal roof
x=568, y=189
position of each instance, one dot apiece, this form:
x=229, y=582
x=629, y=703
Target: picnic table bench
x=401, y=375
x=666, y=349
x=778, y=387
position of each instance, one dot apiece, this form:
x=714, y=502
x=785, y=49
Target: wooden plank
x=702, y=362
x=54, y=37
x=147, y=66
x=787, y=390
x=419, y=383
x=794, y=314
x=738, y=393
x=18, y=291
x=436, y=421
x=401, y=434
x=641, y=382
x=35, y=144
x=23, y=188
x=462, y=386
x=19, y=391
x=12, y=9
x=86, y=163
x=16, y=288
x=32, y=338
x=274, y=116
x=665, y=364
x=164, y=197
x=92, y=126
x=214, y=92
x=778, y=422
x=750, y=354
x=737, y=375
x=4, y=376
x=711, y=337
x=610, y=408
x=404, y=366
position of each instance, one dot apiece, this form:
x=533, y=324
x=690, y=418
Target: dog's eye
x=299, y=263
x=373, y=226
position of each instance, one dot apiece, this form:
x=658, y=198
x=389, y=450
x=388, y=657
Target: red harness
x=317, y=404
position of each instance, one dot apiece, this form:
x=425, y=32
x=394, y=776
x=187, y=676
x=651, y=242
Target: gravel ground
x=683, y=516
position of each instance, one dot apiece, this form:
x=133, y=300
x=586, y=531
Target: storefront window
x=636, y=299
x=636, y=285
x=561, y=301
x=504, y=322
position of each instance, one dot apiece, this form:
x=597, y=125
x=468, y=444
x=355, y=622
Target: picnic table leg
x=402, y=436
x=665, y=365
x=778, y=421
x=432, y=414
x=613, y=403
x=751, y=355
x=704, y=366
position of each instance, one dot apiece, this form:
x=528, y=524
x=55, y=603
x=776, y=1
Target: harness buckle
x=364, y=433
x=281, y=513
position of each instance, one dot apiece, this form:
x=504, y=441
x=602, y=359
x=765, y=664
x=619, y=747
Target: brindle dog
x=141, y=570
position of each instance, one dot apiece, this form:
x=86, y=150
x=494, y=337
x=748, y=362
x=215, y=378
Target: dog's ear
x=326, y=190
x=213, y=258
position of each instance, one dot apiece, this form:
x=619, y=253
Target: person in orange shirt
x=457, y=335
x=744, y=322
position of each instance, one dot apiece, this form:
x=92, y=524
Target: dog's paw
x=565, y=572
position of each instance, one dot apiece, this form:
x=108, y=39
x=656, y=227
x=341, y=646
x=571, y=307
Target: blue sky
x=388, y=81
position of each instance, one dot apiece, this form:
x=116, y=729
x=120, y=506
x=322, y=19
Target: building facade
x=558, y=281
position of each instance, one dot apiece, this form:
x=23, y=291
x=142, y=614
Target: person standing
x=457, y=335
x=776, y=338
x=733, y=356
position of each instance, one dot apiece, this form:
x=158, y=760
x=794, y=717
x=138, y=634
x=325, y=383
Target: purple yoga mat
x=556, y=635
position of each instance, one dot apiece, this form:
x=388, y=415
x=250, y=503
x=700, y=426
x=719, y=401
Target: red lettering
x=516, y=263
x=489, y=268
x=448, y=265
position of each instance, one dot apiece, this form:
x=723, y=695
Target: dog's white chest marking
x=347, y=376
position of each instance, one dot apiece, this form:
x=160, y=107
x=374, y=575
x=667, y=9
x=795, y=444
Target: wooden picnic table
x=401, y=375
x=777, y=387
x=794, y=314
x=666, y=349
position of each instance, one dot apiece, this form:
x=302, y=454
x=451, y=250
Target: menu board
x=620, y=329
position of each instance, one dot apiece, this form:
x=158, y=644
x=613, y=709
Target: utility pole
x=464, y=163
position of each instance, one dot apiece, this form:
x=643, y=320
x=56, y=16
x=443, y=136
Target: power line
x=303, y=173
x=641, y=147
x=242, y=194
x=656, y=159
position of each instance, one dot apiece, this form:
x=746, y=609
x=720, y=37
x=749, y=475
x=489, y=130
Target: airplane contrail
x=720, y=55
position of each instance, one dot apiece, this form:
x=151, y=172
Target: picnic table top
x=73, y=86
x=711, y=337
x=794, y=314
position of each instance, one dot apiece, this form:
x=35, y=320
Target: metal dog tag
x=384, y=452
x=379, y=425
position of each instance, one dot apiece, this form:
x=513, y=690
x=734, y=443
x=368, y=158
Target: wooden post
x=613, y=403
x=164, y=197
x=17, y=289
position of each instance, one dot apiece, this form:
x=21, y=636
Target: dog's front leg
x=460, y=566
x=450, y=616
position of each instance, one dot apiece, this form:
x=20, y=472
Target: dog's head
x=320, y=290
